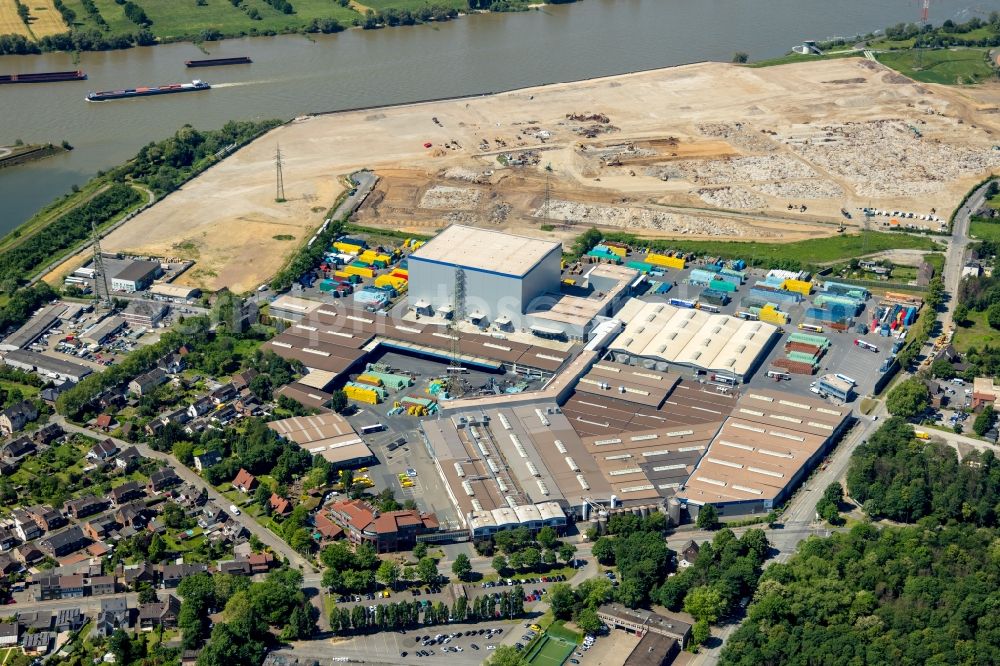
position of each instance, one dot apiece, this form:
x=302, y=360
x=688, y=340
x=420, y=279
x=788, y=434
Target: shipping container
x=665, y=261
x=800, y=286
x=722, y=285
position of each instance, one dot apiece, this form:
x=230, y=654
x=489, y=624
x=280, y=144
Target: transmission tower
x=925, y=11
x=457, y=315
x=866, y=227
x=280, y=184
x=100, y=275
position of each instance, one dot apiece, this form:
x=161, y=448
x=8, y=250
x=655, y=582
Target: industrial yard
x=656, y=152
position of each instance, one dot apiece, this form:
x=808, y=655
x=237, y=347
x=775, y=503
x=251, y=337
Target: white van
x=233, y=509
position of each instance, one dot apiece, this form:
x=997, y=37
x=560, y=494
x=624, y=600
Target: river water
x=293, y=75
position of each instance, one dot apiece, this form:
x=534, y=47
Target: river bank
x=20, y=154
x=295, y=75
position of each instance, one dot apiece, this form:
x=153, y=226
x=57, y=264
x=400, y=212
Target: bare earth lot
x=709, y=150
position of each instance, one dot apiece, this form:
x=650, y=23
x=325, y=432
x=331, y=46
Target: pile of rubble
x=731, y=197
x=890, y=158
x=467, y=175
x=751, y=169
x=589, y=118
x=643, y=218
x=740, y=135
x=814, y=188
x=445, y=197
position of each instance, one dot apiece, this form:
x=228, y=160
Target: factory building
x=328, y=435
x=33, y=329
x=137, y=276
x=174, y=292
x=769, y=444
x=46, y=366
x=501, y=274
x=661, y=337
x=99, y=333
x=144, y=314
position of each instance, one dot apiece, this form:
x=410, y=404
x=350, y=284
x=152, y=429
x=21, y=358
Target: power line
x=100, y=273
x=280, y=184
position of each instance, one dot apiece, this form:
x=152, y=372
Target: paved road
x=957, y=249
x=189, y=476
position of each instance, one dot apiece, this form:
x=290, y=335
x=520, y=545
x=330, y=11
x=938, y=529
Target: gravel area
x=642, y=218
x=445, y=197
x=731, y=197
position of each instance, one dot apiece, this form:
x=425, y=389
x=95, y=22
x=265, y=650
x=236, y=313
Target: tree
x=500, y=564
x=704, y=603
x=147, y=595
x=909, y=399
x=461, y=567
x=984, y=421
x=741, y=57
x=700, y=632
x=562, y=600
x=346, y=479
x=506, y=655
x=566, y=552
x=530, y=558
x=604, y=551
x=708, y=517
x=427, y=570
x=420, y=550
x=339, y=402
x=942, y=369
x=993, y=315
x=586, y=241
x=120, y=645
x=547, y=537
x=388, y=573
x=549, y=558
x=961, y=315
x=588, y=621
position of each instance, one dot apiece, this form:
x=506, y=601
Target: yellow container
x=368, y=396
x=620, y=251
x=800, y=286
x=358, y=270
x=369, y=379
x=664, y=260
x=771, y=316
x=347, y=248
x=399, y=284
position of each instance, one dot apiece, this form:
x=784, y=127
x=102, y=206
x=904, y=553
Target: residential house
x=206, y=460
x=173, y=574
x=163, y=479
x=104, y=422
x=45, y=586
x=279, y=505
x=46, y=517
x=7, y=540
x=48, y=433
x=28, y=554
x=385, y=532
x=101, y=585
x=241, y=380
x=9, y=634
x=126, y=492
x=936, y=392
x=16, y=449
x=248, y=406
x=211, y=515
x=25, y=526
x=238, y=567
x=134, y=514
x=984, y=392
x=200, y=407
x=114, y=614
x=37, y=645
x=245, y=482
x=133, y=574
x=172, y=364
x=71, y=587
x=85, y=506
x=234, y=531
x=112, y=398
x=260, y=562
x=159, y=614
x=103, y=450
x=9, y=565
x=190, y=657
x=128, y=459
x=100, y=528
x=177, y=416
x=224, y=415
x=69, y=619
x=63, y=543
x=147, y=382
x=17, y=416
x=328, y=530
x=688, y=554
x=224, y=393
x=34, y=620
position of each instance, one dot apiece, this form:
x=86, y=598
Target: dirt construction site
x=700, y=151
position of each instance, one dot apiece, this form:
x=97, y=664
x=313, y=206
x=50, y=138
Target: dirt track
x=663, y=150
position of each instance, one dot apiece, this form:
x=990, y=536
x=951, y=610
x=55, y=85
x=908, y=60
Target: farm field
x=10, y=21
x=45, y=18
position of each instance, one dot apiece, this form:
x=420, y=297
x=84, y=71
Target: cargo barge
x=219, y=62
x=43, y=77
x=128, y=93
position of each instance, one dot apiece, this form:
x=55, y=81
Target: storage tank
x=602, y=522
x=585, y=510
x=644, y=510
x=674, y=510
x=614, y=501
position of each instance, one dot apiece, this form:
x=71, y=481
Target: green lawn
x=549, y=650
x=947, y=66
x=984, y=230
x=977, y=334
x=795, y=57
x=560, y=630
x=173, y=19
x=814, y=251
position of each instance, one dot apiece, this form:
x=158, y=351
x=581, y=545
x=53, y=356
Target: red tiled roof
x=328, y=528
x=104, y=421
x=279, y=504
x=244, y=479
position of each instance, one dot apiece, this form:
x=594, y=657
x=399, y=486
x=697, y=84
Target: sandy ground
x=10, y=22
x=708, y=150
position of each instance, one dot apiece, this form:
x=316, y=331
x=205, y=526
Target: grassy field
x=984, y=230
x=977, y=334
x=10, y=22
x=45, y=18
x=414, y=5
x=550, y=651
x=795, y=57
x=814, y=251
x=560, y=630
x=947, y=66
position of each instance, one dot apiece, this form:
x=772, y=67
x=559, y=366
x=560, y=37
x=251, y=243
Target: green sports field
x=550, y=651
